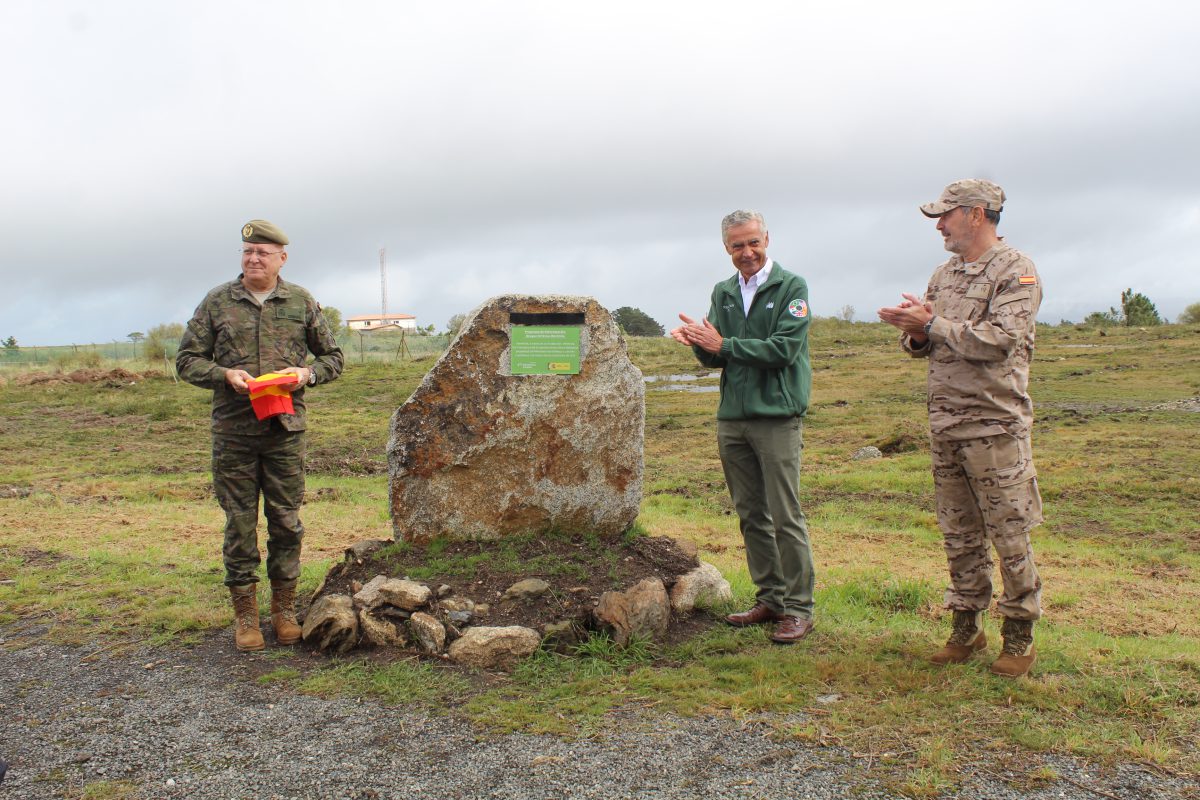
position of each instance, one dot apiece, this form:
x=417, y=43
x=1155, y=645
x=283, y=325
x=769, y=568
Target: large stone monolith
x=478, y=452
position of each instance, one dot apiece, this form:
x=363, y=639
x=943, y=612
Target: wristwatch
x=312, y=376
x=929, y=325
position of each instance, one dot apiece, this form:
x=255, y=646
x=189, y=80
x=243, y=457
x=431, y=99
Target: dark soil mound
x=578, y=569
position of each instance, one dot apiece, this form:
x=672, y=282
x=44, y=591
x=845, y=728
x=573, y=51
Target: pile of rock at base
x=446, y=622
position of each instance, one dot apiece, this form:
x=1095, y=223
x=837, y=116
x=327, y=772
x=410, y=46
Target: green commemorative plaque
x=544, y=349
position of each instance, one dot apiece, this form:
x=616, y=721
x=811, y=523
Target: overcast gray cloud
x=544, y=146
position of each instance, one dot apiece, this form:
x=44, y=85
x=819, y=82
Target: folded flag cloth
x=268, y=396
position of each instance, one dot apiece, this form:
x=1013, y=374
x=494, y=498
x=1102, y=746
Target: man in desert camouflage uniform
x=252, y=325
x=976, y=326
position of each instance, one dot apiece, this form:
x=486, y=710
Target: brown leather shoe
x=791, y=630
x=755, y=616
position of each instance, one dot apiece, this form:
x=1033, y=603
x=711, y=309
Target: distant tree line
x=635, y=322
x=1136, y=312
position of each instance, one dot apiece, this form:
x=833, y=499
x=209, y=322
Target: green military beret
x=259, y=231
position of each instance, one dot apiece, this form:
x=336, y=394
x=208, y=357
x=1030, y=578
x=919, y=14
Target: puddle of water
x=682, y=387
x=657, y=378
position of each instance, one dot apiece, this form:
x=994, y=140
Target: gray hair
x=741, y=217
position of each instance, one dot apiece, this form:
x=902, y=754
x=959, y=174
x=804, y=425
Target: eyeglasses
x=253, y=252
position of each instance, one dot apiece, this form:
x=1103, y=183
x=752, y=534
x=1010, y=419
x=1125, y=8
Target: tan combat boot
x=246, y=636
x=1017, y=655
x=966, y=638
x=283, y=612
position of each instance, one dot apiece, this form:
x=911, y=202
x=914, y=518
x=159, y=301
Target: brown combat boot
x=1017, y=655
x=246, y=636
x=283, y=612
x=966, y=639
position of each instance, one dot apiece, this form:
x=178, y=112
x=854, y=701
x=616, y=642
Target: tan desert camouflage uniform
x=231, y=331
x=980, y=416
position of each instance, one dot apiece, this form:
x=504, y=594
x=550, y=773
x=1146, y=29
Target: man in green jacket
x=257, y=324
x=756, y=331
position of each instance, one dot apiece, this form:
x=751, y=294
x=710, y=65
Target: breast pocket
x=288, y=340
x=228, y=346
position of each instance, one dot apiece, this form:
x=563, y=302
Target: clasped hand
x=701, y=334
x=909, y=315
x=236, y=378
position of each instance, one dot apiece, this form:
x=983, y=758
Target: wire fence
x=387, y=346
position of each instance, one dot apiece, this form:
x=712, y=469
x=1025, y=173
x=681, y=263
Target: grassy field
x=109, y=537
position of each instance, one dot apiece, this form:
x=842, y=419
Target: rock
x=528, y=589
x=704, y=586
x=868, y=452
x=458, y=610
x=643, y=610
x=428, y=634
x=494, y=648
x=331, y=624
x=360, y=550
x=458, y=603
x=367, y=596
x=380, y=631
x=396, y=615
x=479, y=453
x=443, y=590
x=562, y=635
x=403, y=594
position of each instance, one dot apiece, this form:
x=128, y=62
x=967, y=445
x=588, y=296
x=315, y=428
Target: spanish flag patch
x=1027, y=280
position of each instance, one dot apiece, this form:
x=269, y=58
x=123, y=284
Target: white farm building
x=373, y=322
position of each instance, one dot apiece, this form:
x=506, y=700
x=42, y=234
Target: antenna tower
x=383, y=282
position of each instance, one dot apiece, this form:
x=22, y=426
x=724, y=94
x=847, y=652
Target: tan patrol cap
x=974, y=192
x=259, y=231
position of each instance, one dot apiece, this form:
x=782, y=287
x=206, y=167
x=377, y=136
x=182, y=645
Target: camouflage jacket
x=980, y=344
x=231, y=331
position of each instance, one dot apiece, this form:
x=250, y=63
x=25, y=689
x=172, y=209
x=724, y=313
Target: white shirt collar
x=758, y=278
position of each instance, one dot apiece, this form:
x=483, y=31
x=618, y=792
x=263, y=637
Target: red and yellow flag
x=268, y=396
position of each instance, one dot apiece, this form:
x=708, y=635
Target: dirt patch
x=33, y=557
x=578, y=569
x=346, y=463
x=106, y=377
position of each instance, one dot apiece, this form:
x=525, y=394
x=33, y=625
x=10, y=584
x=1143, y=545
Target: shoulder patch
x=1027, y=280
x=798, y=308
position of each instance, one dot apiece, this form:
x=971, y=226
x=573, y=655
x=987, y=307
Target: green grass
x=119, y=541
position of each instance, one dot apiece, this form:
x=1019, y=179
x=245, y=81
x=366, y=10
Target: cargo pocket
x=1005, y=483
x=998, y=461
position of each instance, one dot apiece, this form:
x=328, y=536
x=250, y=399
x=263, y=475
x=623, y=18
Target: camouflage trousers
x=244, y=467
x=987, y=496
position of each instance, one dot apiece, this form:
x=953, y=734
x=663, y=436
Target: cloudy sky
x=582, y=148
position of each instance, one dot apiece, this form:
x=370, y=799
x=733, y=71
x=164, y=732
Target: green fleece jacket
x=765, y=370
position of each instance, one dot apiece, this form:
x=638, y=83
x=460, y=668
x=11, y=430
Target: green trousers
x=243, y=468
x=761, y=458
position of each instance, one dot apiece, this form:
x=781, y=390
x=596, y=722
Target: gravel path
x=197, y=727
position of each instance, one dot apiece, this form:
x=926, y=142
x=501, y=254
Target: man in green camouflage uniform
x=252, y=325
x=976, y=327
